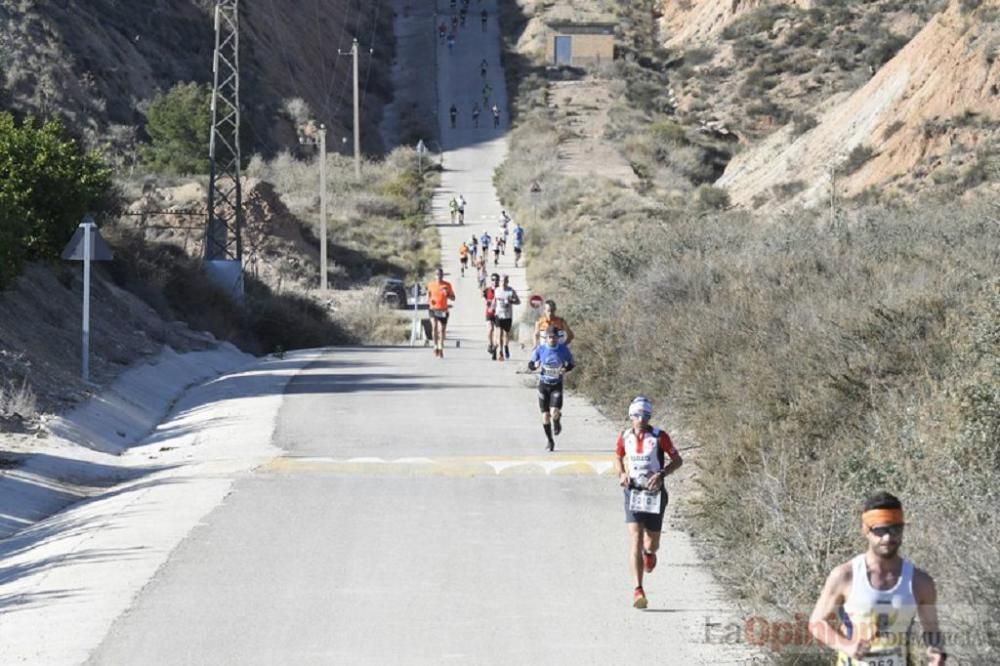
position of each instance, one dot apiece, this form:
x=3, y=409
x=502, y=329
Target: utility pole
x=357, y=114
x=357, y=106
x=322, y=207
x=224, y=234
x=321, y=142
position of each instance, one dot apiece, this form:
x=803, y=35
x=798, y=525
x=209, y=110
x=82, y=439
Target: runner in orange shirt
x=439, y=293
x=550, y=319
x=463, y=257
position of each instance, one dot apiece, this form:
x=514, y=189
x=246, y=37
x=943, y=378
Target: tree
x=179, y=123
x=47, y=184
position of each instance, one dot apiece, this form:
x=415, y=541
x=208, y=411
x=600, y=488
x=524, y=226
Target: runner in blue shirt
x=553, y=360
x=518, y=234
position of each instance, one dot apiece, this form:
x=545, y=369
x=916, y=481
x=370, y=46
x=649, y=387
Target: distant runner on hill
x=517, y=233
x=463, y=257
x=867, y=607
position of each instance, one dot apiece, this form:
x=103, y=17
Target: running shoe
x=639, y=598
x=557, y=426
x=506, y=351
x=649, y=562
x=550, y=446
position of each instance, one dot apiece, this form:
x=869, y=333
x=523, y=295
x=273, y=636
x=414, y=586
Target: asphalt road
x=415, y=517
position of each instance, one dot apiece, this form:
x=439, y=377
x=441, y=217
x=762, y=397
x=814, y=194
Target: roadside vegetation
x=812, y=364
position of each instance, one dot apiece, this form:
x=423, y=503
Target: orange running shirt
x=544, y=322
x=438, y=294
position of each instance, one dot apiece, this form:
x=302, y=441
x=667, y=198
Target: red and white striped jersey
x=645, y=454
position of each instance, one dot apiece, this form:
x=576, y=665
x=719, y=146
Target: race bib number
x=644, y=501
x=553, y=371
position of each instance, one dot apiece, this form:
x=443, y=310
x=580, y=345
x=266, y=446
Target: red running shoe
x=649, y=562
x=639, y=598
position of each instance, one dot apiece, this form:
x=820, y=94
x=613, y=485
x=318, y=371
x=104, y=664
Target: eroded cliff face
x=99, y=63
x=693, y=21
x=931, y=114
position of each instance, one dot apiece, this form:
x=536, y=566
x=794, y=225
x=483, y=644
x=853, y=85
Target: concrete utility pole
x=322, y=207
x=357, y=108
x=321, y=142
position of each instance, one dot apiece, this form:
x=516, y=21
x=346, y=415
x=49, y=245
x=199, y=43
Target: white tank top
x=504, y=303
x=883, y=616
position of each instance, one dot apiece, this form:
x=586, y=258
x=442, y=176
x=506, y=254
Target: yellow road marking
x=564, y=464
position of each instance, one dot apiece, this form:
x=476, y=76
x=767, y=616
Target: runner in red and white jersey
x=644, y=457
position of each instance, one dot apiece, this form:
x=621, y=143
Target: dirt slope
x=693, y=21
x=100, y=62
x=931, y=111
x=279, y=252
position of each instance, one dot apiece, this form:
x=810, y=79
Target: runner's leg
x=635, y=537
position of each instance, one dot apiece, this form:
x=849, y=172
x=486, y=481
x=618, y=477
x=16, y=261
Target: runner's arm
x=667, y=446
x=569, y=332
x=535, y=359
x=568, y=363
x=926, y=597
x=620, y=462
x=825, y=612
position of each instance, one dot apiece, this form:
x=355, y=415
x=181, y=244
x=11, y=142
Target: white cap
x=641, y=406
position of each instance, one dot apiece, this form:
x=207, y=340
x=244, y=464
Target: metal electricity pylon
x=223, y=237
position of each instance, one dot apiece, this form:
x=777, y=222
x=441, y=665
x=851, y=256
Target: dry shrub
x=815, y=367
x=17, y=399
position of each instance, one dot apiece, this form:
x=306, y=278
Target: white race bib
x=645, y=501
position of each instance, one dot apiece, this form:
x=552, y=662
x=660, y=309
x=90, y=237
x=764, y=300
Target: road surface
x=414, y=516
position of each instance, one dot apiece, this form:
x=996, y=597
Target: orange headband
x=875, y=517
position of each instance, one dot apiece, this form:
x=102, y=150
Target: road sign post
x=421, y=150
x=86, y=245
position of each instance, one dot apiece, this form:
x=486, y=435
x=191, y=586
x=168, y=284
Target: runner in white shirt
x=644, y=456
x=505, y=299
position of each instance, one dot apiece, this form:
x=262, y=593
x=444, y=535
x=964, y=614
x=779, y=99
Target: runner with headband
x=867, y=607
x=644, y=457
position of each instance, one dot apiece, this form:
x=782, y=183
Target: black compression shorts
x=549, y=396
x=504, y=324
x=652, y=522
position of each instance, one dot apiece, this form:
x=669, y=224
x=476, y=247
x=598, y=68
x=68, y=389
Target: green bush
x=47, y=184
x=179, y=123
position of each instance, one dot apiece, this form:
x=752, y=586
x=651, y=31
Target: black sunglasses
x=882, y=530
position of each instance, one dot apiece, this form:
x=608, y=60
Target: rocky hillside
x=884, y=97
x=99, y=63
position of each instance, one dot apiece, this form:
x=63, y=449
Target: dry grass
x=813, y=365
x=377, y=225
x=18, y=400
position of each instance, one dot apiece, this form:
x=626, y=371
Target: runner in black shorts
x=553, y=360
x=489, y=295
x=644, y=457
